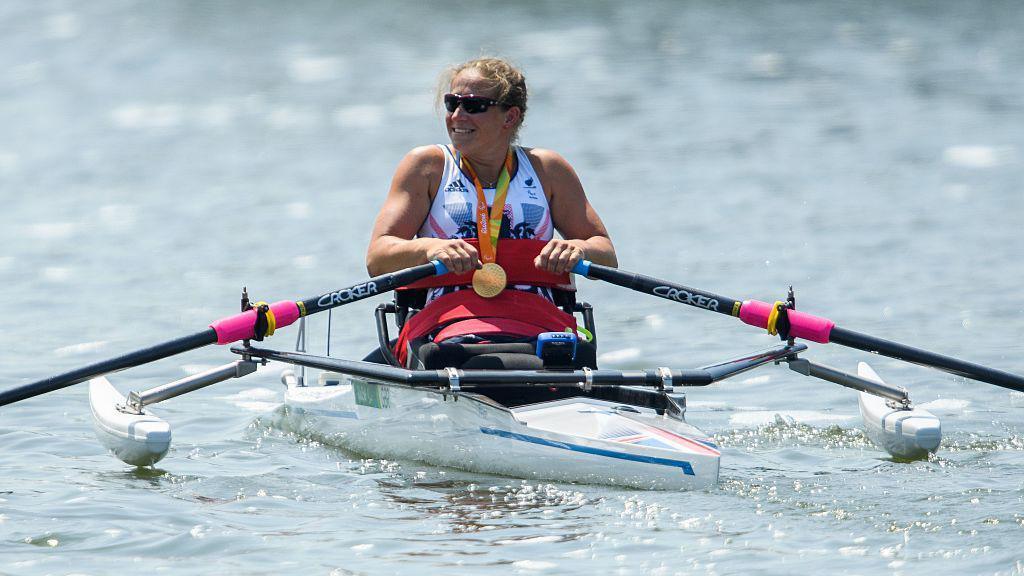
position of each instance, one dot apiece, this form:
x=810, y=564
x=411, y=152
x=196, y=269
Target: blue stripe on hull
x=707, y=443
x=686, y=467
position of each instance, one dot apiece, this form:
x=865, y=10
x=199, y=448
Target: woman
x=434, y=205
x=483, y=140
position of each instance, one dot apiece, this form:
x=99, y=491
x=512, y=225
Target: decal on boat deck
x=372, y=395
x=658, y=438
x=682, y=464
x=627, y=435
x=696, y=445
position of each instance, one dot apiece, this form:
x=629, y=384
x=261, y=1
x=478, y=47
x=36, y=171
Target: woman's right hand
x=457, y=255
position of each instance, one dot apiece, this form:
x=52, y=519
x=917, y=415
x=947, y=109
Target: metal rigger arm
x=897, y=394
x=137, y=401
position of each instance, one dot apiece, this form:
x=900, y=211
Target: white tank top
x=453, y=211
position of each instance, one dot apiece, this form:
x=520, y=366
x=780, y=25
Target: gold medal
x=489, y=281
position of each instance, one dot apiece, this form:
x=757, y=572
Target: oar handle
x=801, y=324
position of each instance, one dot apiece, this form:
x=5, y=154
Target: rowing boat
x=578, y=439
x=552, y=421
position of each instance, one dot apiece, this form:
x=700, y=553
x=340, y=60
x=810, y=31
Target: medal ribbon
x=488, y=226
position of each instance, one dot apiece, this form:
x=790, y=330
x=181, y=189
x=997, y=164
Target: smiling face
x=485, y=133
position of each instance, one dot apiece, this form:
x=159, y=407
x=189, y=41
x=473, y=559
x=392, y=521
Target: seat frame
x=408, y=302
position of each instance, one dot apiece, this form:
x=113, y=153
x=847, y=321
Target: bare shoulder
x=419, y=173
x=555, y=172
x=551, y=163
x=423, y=159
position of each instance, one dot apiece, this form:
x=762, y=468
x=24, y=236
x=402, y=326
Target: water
x=157, y=157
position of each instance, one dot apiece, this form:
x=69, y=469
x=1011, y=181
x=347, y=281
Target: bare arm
x=575, y=219
x=393, y=245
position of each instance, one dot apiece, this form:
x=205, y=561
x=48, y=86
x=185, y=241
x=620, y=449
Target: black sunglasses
x=470, y=103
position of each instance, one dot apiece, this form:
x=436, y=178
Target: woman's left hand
x=559, y=256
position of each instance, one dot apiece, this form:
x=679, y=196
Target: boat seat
x=469, y=352
x=492, y=356
x=502, y=356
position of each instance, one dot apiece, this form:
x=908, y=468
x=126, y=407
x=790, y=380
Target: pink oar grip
x=242, y=325
x=801, y=324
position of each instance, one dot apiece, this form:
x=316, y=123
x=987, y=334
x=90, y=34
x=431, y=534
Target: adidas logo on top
x=456, y=186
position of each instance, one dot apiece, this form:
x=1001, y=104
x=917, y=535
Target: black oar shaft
x=925, y=358
x=232, y=329
x=129, y=360
x=664, y=289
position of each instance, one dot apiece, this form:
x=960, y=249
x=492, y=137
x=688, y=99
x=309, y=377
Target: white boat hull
x=572, y=440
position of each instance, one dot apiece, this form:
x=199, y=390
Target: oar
x=801, y=324
x=241, y=326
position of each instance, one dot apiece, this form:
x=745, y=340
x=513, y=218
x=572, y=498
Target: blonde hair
x=507, y=80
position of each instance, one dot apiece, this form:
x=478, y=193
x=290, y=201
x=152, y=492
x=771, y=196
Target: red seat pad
x=481, y=326
x=510, y=312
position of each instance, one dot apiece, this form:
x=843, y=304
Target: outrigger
x=556, y=420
